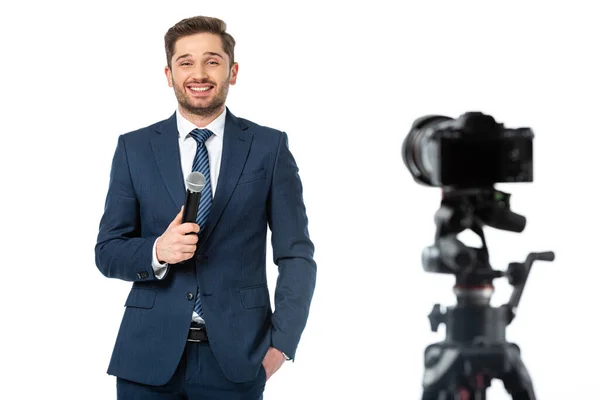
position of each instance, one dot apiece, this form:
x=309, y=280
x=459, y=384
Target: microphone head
x=195, y=182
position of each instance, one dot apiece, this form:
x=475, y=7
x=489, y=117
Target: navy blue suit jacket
x=258, y=187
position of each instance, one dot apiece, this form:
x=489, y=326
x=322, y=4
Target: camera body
x=470, y=151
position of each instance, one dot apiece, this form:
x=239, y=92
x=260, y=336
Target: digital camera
x=468, y=152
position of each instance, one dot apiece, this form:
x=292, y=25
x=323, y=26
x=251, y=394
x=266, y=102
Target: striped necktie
x=201, y=165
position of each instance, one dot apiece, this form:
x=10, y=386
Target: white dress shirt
x=187, y=151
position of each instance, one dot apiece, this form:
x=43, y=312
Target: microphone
x=195, y=182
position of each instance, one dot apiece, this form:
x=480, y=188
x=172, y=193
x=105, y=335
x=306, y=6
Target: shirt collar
x=184, y=126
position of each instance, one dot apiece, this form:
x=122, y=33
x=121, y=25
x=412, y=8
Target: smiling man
x=198, y=322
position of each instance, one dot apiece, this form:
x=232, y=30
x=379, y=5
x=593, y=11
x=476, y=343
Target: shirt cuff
x=160, y=269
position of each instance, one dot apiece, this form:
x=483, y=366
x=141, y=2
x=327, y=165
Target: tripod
x=475, y=350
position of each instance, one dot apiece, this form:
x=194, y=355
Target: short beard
x=211, y=109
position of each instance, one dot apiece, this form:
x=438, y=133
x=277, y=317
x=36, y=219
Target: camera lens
x=417, y=152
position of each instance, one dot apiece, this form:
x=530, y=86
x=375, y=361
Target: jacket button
x=190, y=296
x=142, y=275
x=200, y=257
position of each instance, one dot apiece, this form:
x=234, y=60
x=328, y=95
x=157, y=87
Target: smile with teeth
x=201, y=89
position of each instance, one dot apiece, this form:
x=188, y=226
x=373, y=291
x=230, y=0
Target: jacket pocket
x=254, y=297
x=140, y=298
x=252, y=176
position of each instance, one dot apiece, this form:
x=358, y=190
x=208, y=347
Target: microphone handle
x=190, y=208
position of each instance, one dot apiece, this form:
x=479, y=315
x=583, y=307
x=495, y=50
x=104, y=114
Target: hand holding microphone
x=177, y=243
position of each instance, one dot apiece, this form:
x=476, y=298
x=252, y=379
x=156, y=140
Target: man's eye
x=186, y=63
x=213, y=63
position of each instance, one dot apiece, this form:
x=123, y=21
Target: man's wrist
x=285, y=356
x=156, y=251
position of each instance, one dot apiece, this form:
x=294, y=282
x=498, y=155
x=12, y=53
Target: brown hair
x=199, y=24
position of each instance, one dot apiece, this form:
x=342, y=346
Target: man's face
x=200, y=74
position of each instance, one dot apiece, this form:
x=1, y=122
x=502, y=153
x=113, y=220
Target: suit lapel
x=236, y=146
x=165, y=146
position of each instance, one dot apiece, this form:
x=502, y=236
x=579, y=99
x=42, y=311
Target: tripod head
x=471, y=208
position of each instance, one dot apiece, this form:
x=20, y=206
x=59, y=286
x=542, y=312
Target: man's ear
x=233, y=74
x=169, y=76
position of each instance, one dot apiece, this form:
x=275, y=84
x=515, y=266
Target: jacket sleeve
x=120, y=251
x=292, y=252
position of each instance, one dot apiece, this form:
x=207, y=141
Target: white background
x=345, y=81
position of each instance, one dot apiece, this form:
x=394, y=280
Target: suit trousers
x=198, y=376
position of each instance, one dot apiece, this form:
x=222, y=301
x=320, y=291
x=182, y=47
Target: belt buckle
x=195, y=328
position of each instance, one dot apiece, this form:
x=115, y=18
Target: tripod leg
x=517, y=381
x=440, y=367
x=443, y=395
x=430, y=396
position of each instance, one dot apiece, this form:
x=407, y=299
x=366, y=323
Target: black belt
x=197, y=333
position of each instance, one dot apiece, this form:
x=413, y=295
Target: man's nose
x=200, y=72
